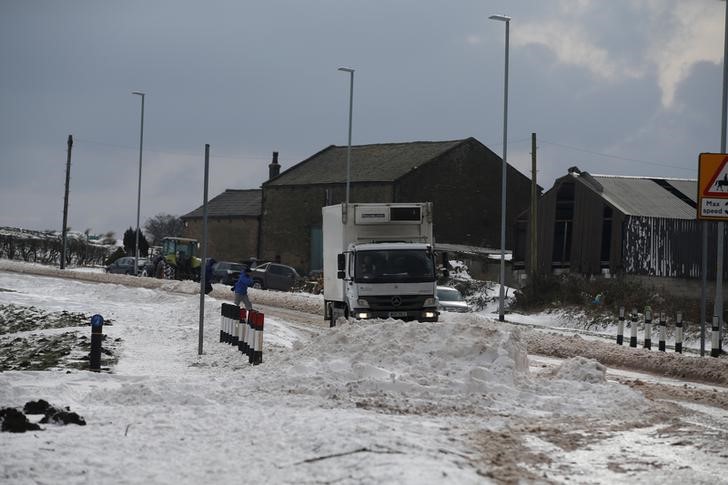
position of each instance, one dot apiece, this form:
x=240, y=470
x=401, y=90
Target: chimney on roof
x=575, y=170
x=273, y=167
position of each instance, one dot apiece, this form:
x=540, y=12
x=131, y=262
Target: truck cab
x=391, y=280
x=379, y=262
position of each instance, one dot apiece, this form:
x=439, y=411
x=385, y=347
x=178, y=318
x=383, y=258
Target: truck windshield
x=394, y=266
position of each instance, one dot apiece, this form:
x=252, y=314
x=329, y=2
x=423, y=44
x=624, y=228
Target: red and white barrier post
x=254, y=339
x=633, y=329
x=663, y=332
x=247, y=346
x=242, y=328
x=258, y=346
x=678, y=332
x=228, y=314
x=620, y=326
x=223, y=316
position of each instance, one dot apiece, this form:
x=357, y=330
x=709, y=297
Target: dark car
x=125, y=265
x=226, y=272
x=274, y=276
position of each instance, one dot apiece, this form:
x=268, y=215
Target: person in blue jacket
x=241, y=288
x=208, y=275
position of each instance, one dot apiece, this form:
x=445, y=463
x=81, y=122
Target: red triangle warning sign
x=718, y=184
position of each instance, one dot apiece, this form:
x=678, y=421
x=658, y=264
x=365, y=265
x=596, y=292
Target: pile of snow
x=582, y=369
x=471, y=367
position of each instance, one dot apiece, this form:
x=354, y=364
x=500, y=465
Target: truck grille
x=398, y=302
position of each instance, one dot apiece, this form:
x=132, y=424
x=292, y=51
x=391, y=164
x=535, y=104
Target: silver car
x=451, y=300
x=125, y=265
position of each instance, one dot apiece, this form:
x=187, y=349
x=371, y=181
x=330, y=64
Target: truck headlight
x=362, y=303
x=430, y=302
x=362, y=315
x=430, y=314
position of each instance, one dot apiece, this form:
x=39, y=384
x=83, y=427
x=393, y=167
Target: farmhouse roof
x=385, y=162
x=231, y=203
x=645, y=196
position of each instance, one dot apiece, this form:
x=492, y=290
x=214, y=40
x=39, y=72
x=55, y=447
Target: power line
x=162, y=152
x=616, y=157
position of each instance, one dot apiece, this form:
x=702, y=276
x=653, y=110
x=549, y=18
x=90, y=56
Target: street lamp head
x=346, y=69
x=137, y=92
x=502, y=18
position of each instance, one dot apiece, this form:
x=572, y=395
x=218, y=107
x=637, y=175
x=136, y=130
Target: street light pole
x=501, y=301
x=139, y=187
x=348, y=151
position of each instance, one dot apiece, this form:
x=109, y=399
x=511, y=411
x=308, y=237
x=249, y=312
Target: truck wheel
x=329, y=314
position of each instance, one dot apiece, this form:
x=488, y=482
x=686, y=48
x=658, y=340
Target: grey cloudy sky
x=629, y=87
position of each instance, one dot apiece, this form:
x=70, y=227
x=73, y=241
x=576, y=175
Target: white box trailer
x=379, y=261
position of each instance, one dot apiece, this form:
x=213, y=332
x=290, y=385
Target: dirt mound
x=16, y=421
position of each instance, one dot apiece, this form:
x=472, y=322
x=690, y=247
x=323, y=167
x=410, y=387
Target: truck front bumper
x=424, y=315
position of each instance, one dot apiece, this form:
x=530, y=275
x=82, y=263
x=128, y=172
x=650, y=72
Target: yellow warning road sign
x=713, y=186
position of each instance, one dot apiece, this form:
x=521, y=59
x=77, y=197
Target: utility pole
x=203, y=266
x=718, y=304
x=65, y=204
x=533, y=267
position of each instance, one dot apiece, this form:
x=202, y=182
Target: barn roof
x=645, y=196
x=385, y=162
x=231, y=203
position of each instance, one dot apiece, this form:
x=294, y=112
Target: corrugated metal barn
x=594, y=224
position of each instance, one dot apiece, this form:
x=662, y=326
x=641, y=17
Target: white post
x=139, y=187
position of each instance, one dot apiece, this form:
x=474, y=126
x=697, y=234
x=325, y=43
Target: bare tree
x=162, y=225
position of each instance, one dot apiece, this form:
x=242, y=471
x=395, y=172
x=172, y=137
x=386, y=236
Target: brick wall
x=464, y=186
x=229, y=239
x=290, y=212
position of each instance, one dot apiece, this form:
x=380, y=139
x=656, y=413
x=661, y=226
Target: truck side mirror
x=340, y=262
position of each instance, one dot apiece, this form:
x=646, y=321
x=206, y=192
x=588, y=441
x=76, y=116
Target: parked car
x=226, y=272
x=274, y=276
x=451, y=300
x=125, y=265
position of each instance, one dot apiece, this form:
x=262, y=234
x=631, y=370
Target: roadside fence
x=662, y=329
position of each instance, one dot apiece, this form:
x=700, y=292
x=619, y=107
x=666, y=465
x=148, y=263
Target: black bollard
x=620, y=326
x=663, y=332
x=97, y=326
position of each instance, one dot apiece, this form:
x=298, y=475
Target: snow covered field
x=463, y=401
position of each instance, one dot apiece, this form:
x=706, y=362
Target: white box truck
x=379, y=262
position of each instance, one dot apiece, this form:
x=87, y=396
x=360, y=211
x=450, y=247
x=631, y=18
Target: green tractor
x=179, y=261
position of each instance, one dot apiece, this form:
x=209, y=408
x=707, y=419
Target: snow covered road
x=376, y=402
